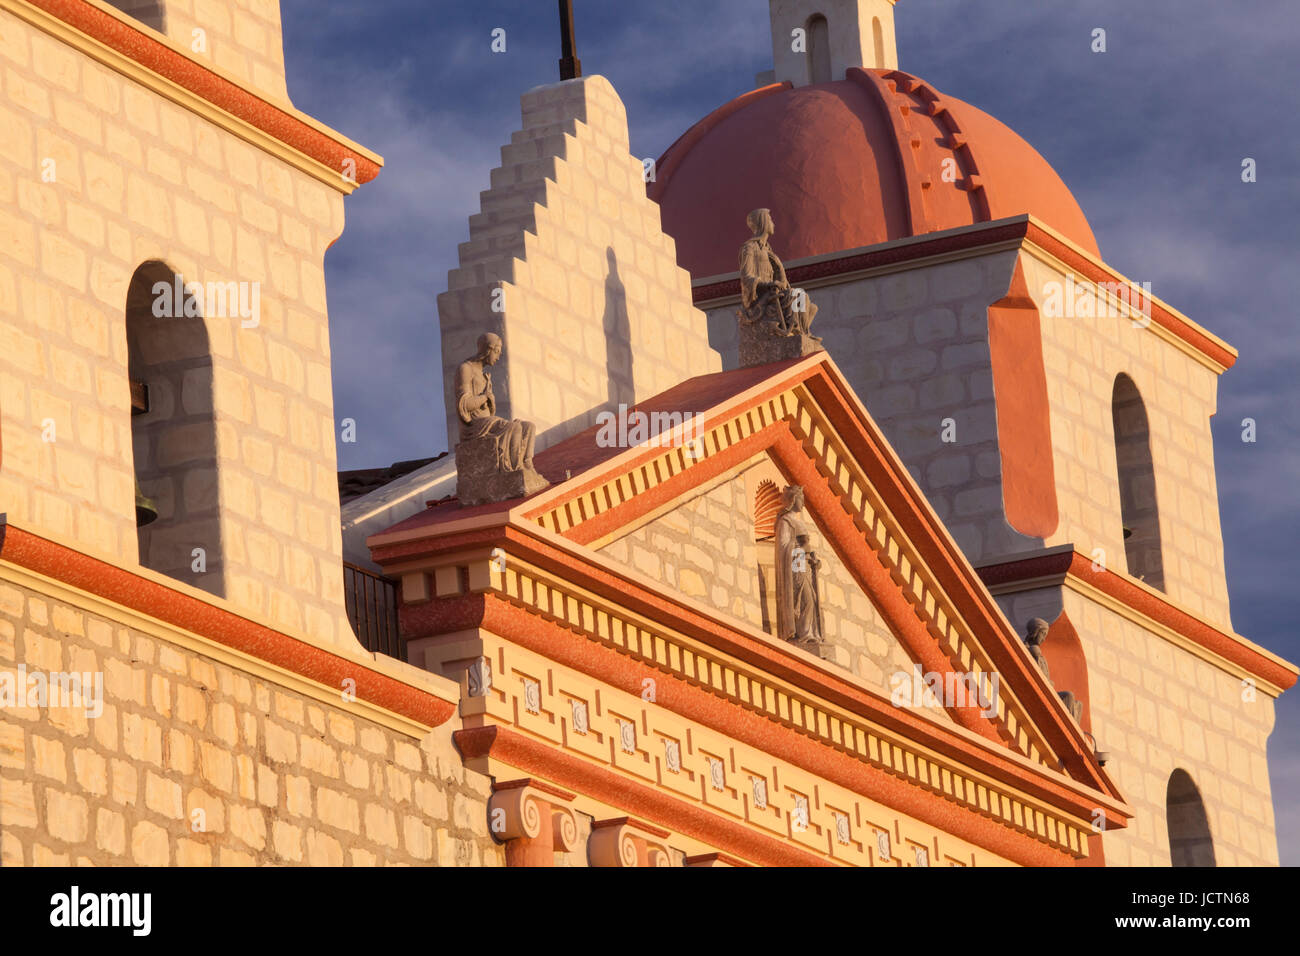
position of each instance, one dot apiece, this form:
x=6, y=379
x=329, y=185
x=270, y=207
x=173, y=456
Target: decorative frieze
x=652, y=746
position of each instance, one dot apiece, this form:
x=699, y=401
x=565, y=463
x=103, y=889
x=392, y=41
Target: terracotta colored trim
x=1023, y=415
x=220, y=626
x=138, y=44
x=571, y=649
x=475, y=610
x=894, y=253
x=1020, y=227
x=531, y=756
x=671, y=158
x=704, y=859
x=537, y=757
x=870, y=572
x=1093, y=272
x=918, y=219
x=672, y=488
x=1040, y=708
x=953, y=574
x=1114, y=585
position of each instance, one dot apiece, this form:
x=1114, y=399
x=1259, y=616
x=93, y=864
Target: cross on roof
x=570, y=65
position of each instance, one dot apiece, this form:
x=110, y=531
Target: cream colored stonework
x=568, y=263
x=1156, y=708
x=1082, y=357
x=240, y=37
x=133, y=177
x=196, y=761
x=706, y=549
x=914, y=346
x=913, y=343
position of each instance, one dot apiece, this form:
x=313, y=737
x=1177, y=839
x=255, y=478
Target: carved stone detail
x=626, y=842
x=533, y=823
x=775, y=320
x=494, y=457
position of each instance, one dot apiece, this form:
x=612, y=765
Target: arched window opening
x=878, y=39
x=1137, y=484
x=173, y=431
x=1190, y=843
x=819, y=49
x=152, y=13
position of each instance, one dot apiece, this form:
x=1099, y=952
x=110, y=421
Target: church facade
x=752, y=607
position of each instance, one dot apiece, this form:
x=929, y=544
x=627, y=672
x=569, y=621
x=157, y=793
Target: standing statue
x=1035, y=636
x=775, y=320
x=798, y=603
x=494, y=457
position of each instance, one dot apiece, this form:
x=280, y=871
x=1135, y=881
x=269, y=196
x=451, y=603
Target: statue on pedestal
x=798, y=601
x=494, y=457
x=775, y=320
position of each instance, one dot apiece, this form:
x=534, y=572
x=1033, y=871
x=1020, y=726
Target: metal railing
x=371, y=601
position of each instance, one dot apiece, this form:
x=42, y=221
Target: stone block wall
x=1158, y=708
x=705, y=549
x=195, y=762
x=131, y=177
x=914, y=346
x=240, y=37
x=586, y=285
x=1083, y=355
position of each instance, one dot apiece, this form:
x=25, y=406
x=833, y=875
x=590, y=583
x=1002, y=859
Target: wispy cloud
x=1149, y=135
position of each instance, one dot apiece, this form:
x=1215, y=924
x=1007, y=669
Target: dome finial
x=816, y=41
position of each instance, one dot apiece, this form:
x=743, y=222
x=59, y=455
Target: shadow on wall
x=173, y=431
x=618, y=338
x=1190, y=843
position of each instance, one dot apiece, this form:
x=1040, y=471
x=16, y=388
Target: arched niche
x=1190, y=843
x=819, y=50
x=173, y=430
x=1139, y=509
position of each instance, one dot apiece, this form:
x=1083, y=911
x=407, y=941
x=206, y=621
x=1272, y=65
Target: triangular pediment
x=800, y=421
x=716, y=545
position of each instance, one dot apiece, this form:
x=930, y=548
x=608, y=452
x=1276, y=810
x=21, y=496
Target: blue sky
x=1150, y=136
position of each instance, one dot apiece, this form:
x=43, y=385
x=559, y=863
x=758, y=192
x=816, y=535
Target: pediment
x=716, y=544
x=801, y=422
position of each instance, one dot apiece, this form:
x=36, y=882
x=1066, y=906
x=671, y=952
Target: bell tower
x=815, y=41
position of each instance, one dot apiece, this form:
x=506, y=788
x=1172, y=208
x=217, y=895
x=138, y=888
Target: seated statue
x=770, y=309
x=494, y=458
x=1035, y=635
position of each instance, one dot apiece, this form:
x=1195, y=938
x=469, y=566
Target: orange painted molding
x=658, y=806
x=1023, y=414
x=532, y=756
x=138, y=44
x=572, y=649
x=218, y=625
x=1001, y=230
x=1070, y=563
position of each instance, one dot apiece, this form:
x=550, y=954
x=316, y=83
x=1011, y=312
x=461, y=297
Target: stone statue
x=1035, y=636
x=775, y=320
x=798, y=603
x=494, y=457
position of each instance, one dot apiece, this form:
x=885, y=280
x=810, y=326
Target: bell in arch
x=146, y=512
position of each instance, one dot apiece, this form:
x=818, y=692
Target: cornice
x=1064, y=566
x=157, y=63
x=386, y=691
x=1014, y=232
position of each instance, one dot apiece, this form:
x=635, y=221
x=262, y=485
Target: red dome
x=874, y=157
